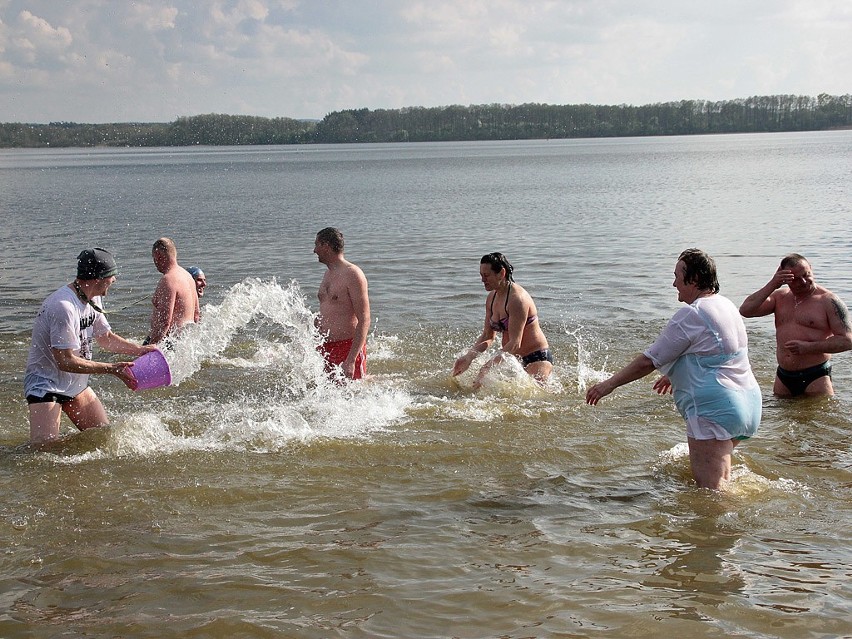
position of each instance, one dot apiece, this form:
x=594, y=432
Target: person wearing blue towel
x=703, y=355
x=60, y=358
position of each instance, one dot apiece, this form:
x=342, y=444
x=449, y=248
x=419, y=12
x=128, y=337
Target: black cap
x=96, y=264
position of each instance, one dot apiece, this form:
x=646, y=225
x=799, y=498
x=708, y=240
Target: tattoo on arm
x=842, y=313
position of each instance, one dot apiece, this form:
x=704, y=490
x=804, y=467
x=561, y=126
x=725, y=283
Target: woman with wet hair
x=511, y=312
x=703, y=355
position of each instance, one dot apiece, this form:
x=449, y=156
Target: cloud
x=154, y=60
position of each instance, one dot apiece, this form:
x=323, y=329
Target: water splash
x=243, y=303
x=262, y=387
x=586, y=373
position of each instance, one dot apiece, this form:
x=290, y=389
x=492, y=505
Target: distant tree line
x=757, y=114
x=213, y=129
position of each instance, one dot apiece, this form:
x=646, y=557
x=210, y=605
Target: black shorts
x=49, y=398
x=544, y=355
x=798, y=381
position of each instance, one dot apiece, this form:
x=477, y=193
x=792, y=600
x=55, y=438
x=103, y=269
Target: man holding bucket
x=60, y=358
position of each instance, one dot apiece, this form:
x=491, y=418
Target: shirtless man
x=811, y=323
x=344, y=317
x=175, y=300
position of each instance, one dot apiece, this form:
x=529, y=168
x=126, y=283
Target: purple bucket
x=151, y=371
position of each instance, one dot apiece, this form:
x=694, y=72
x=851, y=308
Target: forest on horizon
x=757, y=114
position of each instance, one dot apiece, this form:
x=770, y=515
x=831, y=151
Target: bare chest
x=332, y=291
x=809, y=314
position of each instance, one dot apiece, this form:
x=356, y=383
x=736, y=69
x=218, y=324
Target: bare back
x=175, y=303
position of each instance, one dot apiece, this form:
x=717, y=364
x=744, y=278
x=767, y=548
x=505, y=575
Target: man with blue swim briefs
x=703, y=355
x=811, y=323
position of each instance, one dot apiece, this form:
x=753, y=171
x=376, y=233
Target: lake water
x=256, y=499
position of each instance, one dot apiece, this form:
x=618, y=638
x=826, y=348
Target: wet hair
x=333, y=237
x=792, y=260
x=498, y=261
x=700, y=270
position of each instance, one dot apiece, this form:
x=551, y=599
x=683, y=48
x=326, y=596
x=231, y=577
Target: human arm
x=762, y=301
x=68, y=361
x=361, y=309
x=636, y=369
x=482, y=343
x=117, y=344
x=164, y=308
x=519, y=309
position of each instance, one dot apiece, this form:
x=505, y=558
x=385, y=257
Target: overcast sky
x=157, y=60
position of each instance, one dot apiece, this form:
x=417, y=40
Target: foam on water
x=744, y=483
x=247, y=301
x=275, y=393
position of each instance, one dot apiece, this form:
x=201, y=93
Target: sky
x=96, y=61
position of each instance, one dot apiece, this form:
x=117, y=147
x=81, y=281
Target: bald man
x=175, y=300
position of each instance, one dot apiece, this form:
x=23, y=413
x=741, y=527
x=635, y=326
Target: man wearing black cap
x=60, y=359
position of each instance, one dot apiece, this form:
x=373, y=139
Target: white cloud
x=105, y=60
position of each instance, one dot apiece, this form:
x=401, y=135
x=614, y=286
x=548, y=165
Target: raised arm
x=762, y=301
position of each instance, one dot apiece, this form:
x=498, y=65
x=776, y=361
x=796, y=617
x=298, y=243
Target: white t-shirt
x=688, y=333
x=63, y=322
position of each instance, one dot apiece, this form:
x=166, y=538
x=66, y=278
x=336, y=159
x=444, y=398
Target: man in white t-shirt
x=60, y=357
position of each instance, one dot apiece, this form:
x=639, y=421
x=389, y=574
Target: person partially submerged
x=60, y=358
x=344, y=315
x=511, y=313
x=175, y=300
x=811, y=323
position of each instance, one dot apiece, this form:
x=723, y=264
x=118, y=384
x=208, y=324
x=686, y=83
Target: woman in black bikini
x=510, y=311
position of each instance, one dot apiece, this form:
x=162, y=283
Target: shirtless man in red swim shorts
x=344, y=317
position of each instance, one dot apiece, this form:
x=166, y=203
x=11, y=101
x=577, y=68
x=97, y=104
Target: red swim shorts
x=335, y=353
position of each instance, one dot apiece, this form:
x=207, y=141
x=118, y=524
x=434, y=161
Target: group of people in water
x=702, y=352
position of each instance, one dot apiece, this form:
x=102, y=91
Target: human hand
x=598, y=392
x=123, y=372
x=797, y=346
x=348, y=368
x=781, y=277
x=663, y=385
x=463, y=363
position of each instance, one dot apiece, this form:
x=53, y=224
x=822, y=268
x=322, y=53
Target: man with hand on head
x=60, y=358
x=175, y=299
x=811, y=323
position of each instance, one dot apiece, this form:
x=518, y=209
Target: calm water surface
x=256, y=499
